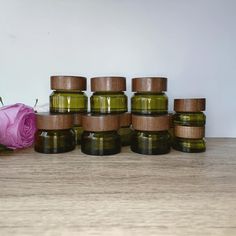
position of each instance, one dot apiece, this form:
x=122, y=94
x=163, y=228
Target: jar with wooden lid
x=151, y=134
x=55, y=133
x=125, y=130
x=68, y=95
x=108, y=95
x=100, y=136
x=189, y=125
x=78, y=127
x=149, y=97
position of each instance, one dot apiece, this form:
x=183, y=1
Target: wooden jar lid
x=109, y=83
x=150, y=123
x=99, y=123
x=189, y=132
x=149, y=84
x=190, y=105
x=68, y=83
x=77, y=119
x=125, y=119
x=46, y=121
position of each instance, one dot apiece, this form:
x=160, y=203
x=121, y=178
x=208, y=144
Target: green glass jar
x=68, y=95
x=189, y=145
x=108, y=96
x=151, y=136
x=54, y=134
x=125, y=130
x=189, y=125
x=78, y=127
x=149, y=97
x=189, y=118
x=100, y=135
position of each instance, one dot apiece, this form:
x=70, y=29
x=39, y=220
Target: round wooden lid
x=190, y=105
x=99, y=123
x=189, y=132
x=149, y=84
x=125, y=119
x=109, y=83
x=68, y=83
x=77, y=119
x=151, y=123
x=46, y=121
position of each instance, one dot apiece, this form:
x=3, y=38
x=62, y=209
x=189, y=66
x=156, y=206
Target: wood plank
x=124, y=194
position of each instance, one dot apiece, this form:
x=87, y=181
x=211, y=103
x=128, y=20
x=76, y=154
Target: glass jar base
x=151, y=142
x=104, y=152
x=188, y=150
x=150, y=151
x=100, y=143
x=189, y=146
x=53, y=150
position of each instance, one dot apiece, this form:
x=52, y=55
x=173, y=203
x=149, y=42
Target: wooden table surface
x=126, y=194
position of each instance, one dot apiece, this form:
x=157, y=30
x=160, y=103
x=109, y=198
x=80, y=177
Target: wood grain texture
x=126, y=194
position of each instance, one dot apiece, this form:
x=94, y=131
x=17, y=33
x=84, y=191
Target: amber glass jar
x=68, y=95
x=100, y=135
x=125, y=130
x=78, y=127
x=189, y=125
x=108, y=96
x=54, y=134
x=149, y=97
x=151, y=134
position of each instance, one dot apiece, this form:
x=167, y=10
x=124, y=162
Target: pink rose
x=17, y=126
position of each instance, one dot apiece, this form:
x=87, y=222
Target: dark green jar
x=100, y=136
x=189, y=125
x=54, y=134
x=149, y=97
x=78, y=129
x=108, y=96
x=68, y=95
x=125, y=130
x=189, y=145
x=151, y=136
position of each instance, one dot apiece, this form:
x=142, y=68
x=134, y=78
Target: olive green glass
x=147, y=103
x=125, y=135
x=78, y=133
x=196, y=119
x=100, y=143
x=189, y=145
x=54, y=141
x=68, y=102
x=151, y=142
x=108, y=102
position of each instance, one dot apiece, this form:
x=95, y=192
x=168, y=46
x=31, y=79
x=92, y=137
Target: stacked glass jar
x=60, y=130
x=189, y=125
x=108, y=126
x=107, y=103
x=55, y=133
x=150, y=120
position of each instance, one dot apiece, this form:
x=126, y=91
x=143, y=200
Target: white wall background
x=192, y=42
